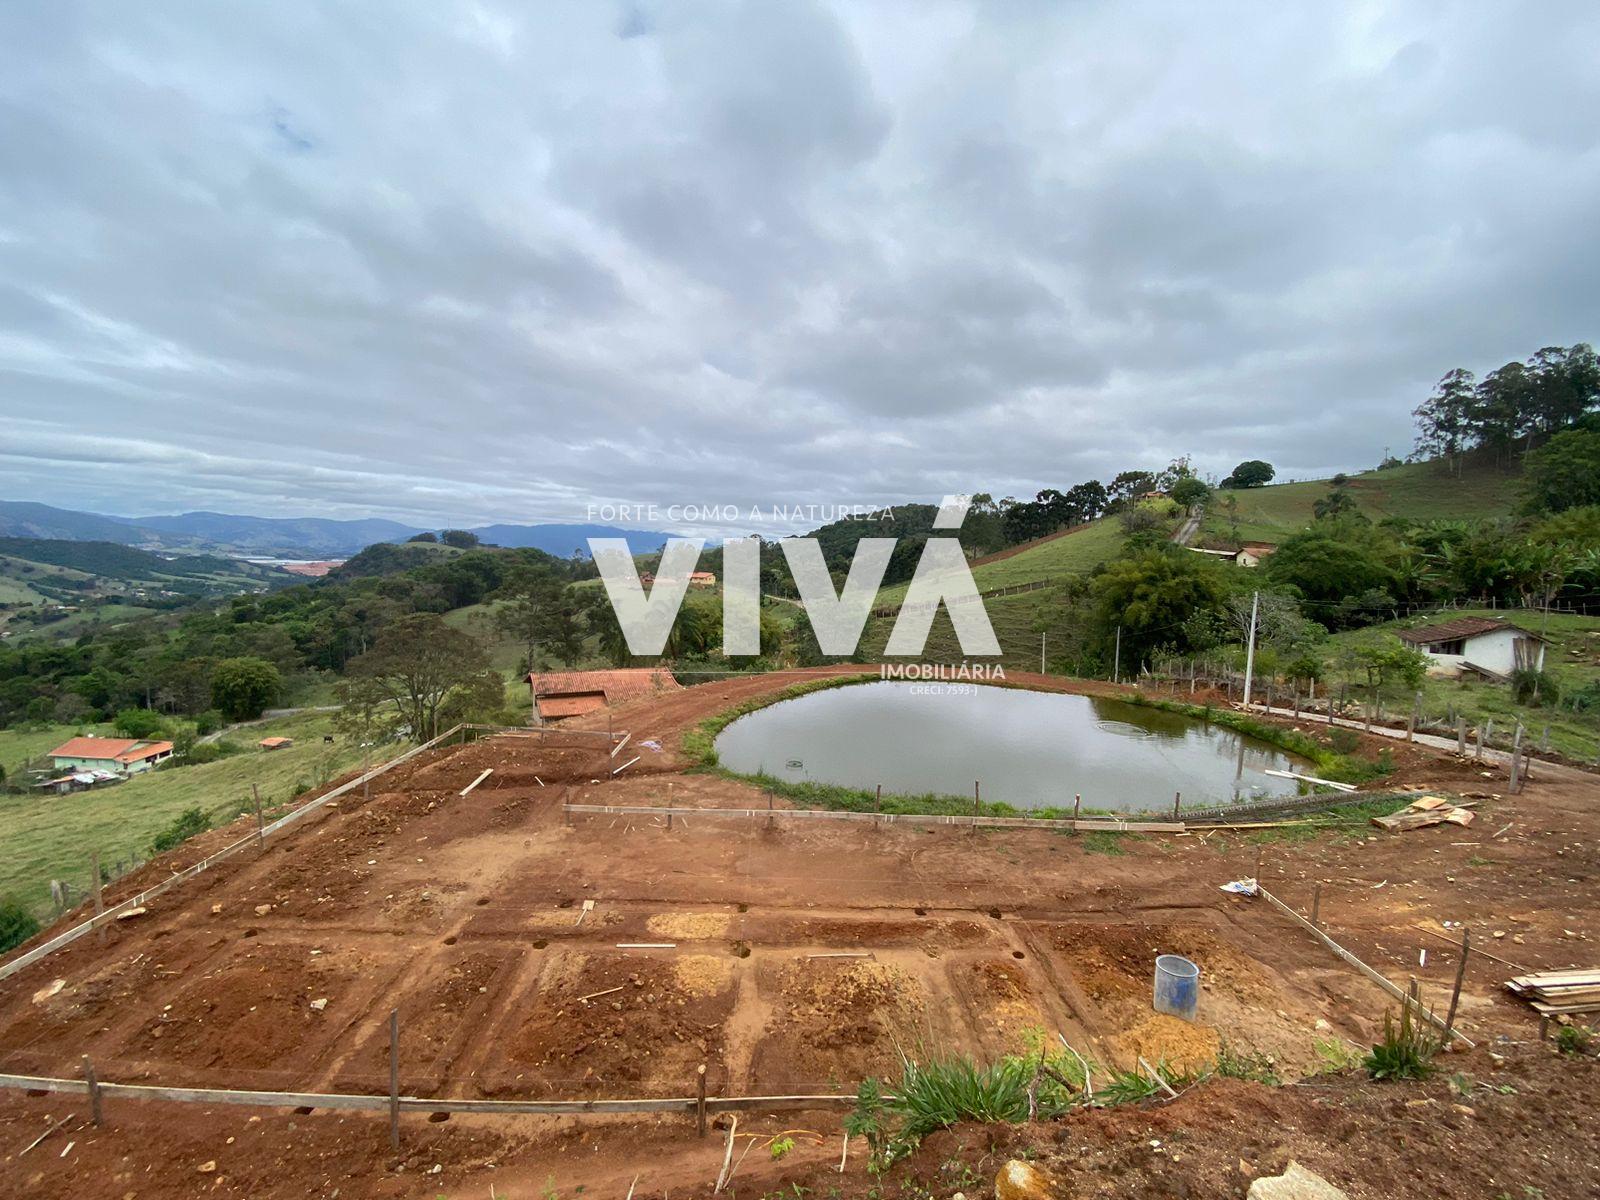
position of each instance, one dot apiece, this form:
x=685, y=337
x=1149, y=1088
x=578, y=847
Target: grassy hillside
x=17, y=746
x=1074, y=554
x=51, y=837
x=1419, y=491
x=1573, y=658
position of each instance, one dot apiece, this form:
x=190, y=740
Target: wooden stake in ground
x=99, y=895
x=1177, y=801
x=1316, y=906
x=96, y=1109
x=261, y=825
x=1461, y=973
x=700, y=1101
x=394, y=1078
x=1516, y=761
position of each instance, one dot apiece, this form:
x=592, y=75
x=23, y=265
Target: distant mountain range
x=283, y=537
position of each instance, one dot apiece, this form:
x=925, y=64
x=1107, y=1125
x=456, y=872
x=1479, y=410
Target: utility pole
x=1250, y=652
x=1116, y=669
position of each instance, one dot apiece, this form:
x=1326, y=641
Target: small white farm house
x=1479, y=645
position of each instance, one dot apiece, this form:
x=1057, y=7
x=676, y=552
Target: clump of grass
x=1575, y=1039
x=1406, y=1051
x=1233, y=1063
x=1335, y=1054
x=1102, y=841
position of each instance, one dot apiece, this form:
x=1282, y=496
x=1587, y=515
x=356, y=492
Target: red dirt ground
x=467, y=915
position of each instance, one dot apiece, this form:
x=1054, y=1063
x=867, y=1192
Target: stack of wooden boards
x=1426, y=810
x=1556, y=993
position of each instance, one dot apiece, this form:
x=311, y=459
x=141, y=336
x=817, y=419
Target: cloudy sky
x=465, y=262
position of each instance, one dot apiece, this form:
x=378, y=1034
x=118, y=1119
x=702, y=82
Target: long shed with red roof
x=561, y=694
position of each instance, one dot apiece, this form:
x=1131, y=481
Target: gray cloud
x=485, y=262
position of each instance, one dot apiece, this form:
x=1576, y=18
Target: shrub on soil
x=188, y=823
x=17, y=924
x=1406, y=1051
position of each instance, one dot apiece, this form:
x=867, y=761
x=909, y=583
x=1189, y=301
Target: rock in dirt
x=1296, y=1183
x=1020, y=1180
x=45, y=993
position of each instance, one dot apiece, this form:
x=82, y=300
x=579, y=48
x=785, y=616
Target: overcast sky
x=458, y=263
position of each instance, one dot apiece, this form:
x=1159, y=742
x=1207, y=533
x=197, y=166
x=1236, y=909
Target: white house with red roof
x=118, y=756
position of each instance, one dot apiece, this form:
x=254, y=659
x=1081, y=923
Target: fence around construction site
x=105, y=916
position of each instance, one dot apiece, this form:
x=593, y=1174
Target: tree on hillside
x=1444, y=419
x=1563, y=473
x=1152, y=596
x=241, y=688
x=139, y=723
x=461, y=539
x=416, y=661
x=1253, y=472
x=1565, y=385
x=431, y=538
x=696, y=632
x=562, y=625
x=1338, y=503
x=1333, y=566
x=1127, y=487
x=1189, y=491
x=603, y=623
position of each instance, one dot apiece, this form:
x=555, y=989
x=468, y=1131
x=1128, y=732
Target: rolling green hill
x=1418, y=491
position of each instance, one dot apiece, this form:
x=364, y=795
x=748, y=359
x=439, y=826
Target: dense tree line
x=179, y=664
x=1511, y=408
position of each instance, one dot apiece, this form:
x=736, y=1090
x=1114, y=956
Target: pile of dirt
x=1170, y=1042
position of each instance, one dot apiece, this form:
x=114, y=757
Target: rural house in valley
x=1477, y=644
x=118, y=756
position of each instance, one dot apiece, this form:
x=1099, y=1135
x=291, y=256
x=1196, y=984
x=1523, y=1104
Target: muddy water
x=1029, y=749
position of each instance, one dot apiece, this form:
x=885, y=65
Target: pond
x=1028, y=749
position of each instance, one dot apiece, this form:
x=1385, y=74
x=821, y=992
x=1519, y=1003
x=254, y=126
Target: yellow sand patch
x=703, y=974
x=1183, y=1046
x=689, y=925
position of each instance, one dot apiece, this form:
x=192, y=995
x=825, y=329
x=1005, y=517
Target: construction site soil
x=537, y=955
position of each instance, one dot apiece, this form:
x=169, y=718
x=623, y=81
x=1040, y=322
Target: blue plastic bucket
x=1177, y=986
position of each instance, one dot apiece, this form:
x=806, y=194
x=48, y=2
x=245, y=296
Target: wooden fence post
x=1455, y=994
x=96, y=1107
x=1316, y=906
x=1516, y=761
x=976, y=805
x=99, y=896
x=700, y=1100
x=394, y=1078
x=261, y=824
x=1177, y=800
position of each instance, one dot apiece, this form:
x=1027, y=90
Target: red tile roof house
x=120, y=756
x=561, y=694
x=1477, y=644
